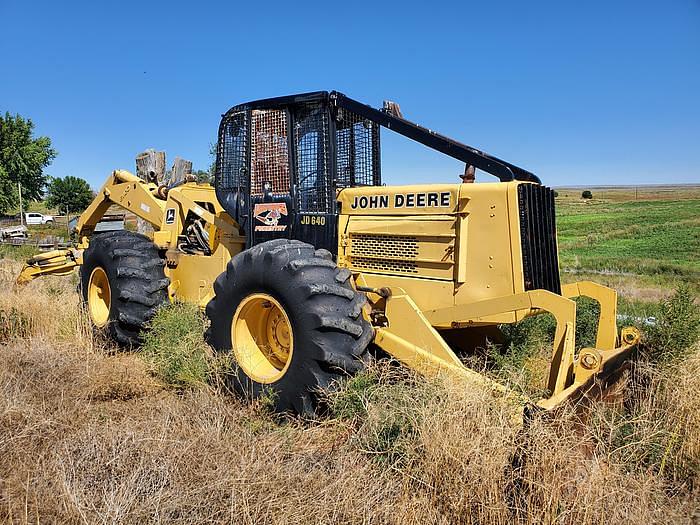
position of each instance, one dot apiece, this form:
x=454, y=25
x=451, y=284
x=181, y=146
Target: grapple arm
x=56, y=262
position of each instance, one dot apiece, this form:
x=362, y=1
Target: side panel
x=443, y=244
x=319, y=229
x=191, y=275
x=192, y=280
x=490, y=263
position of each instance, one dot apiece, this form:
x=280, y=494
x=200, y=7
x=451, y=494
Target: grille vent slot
x=384, y=265
x=385, y=253
x=394, y=246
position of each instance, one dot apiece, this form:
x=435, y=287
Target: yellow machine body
x=434, y=261
x=445, y=258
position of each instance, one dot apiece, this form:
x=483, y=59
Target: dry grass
x=87, y=436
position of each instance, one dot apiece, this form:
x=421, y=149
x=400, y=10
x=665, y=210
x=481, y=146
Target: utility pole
x=21, y=215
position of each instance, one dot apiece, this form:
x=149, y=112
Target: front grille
x=538, y=238
x=384, y=253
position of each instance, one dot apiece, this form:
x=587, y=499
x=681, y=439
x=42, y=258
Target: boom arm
x=125, y=190
x=121, y=188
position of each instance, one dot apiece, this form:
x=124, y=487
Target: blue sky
x=579, y=92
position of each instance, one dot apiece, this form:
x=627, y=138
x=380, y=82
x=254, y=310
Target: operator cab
x=281, y=162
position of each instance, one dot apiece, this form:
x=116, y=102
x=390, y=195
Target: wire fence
x=58, y=220
x=50, y=242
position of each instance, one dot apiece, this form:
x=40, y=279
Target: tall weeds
x=88, y=436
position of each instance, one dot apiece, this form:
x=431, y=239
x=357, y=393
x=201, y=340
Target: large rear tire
x=292, y=321
x=122, y=283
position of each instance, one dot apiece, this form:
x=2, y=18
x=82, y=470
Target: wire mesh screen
x=357, y=151
x=232, y=153
x=269, y=161
x=314, y=191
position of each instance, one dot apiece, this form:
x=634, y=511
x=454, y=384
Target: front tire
x=122, y=283
x=292, y=321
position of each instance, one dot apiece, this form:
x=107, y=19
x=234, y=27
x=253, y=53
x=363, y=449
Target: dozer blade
x=410, y=336
x=55, y=262
x=596, y=366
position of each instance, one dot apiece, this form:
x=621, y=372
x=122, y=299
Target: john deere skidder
x=302, y=258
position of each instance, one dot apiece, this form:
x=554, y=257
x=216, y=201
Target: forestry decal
x=269, y=214
x=429, y=199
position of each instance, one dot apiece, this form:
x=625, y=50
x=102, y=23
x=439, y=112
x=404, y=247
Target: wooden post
x=181, y=167
x=150, y=166
x=21, y=213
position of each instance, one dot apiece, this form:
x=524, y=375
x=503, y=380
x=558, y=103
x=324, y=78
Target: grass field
x=643, y=244
x=91, y=435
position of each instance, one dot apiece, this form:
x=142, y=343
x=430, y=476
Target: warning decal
x=269, y=215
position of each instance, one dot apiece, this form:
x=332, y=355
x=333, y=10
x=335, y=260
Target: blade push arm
x=410, y=336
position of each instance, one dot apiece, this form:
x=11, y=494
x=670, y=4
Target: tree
x=8, y=192
x=22, y=160
x=70, y=194
x=587, y=194
x=212, y=156
x=202, y=176
x=207, y=176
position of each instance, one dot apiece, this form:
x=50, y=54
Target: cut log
x=181, y=167
x=150, y=166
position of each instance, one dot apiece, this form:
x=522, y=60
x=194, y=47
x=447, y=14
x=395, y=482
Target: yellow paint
x=196, y=275
x=55, y=262
x=468, y=244
x=99, y=295
x=411, y=337
x=125, y=190
x=262, y=338
x=606, y=336
x=460, y=266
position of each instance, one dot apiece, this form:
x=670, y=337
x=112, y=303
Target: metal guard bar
x=505, y=171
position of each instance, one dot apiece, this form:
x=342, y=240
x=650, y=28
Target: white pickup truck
x=37, y=218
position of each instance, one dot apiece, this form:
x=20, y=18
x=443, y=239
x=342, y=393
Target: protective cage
x=302, y=148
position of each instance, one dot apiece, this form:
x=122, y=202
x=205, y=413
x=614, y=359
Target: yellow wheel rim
x=99, y=297
x=262, y=338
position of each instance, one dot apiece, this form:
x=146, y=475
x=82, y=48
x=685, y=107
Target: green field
x=653, y=241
